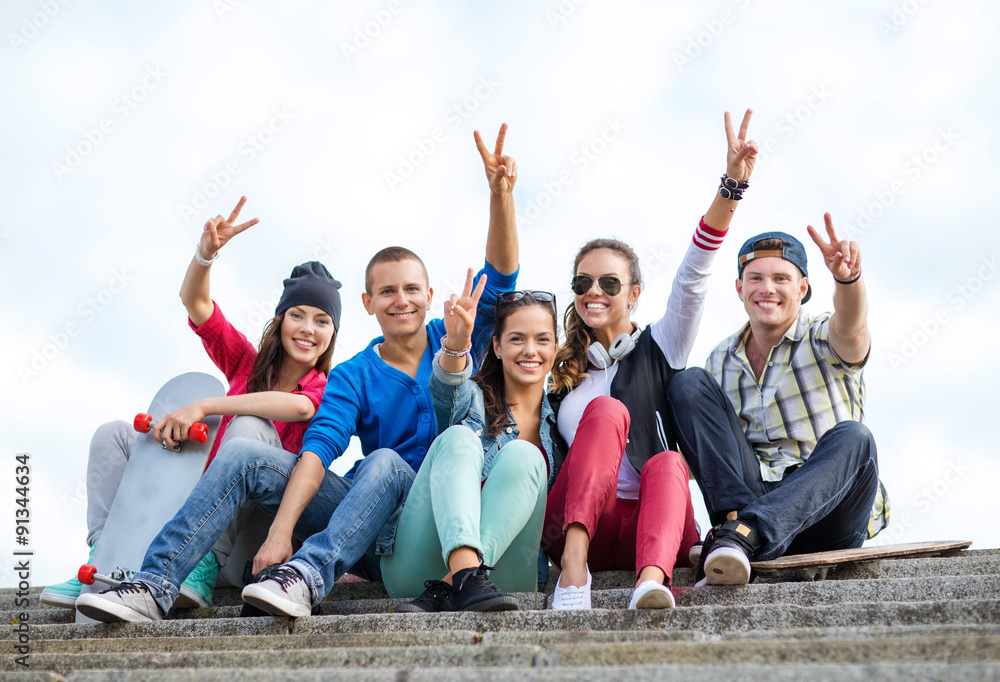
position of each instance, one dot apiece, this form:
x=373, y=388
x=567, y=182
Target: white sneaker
x=571, y=598
x=129, y=602
x=281, y=591
x=652, y=595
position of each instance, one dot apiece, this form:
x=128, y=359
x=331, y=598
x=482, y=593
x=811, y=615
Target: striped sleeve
x=707, y=237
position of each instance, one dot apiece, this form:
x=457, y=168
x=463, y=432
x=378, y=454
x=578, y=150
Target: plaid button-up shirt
x=804, y=390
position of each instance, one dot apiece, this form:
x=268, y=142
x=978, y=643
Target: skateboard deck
x=155, y=484
x=816, y=566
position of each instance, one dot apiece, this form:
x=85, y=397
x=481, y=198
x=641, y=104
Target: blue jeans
x=824, y=504
x=344, y=527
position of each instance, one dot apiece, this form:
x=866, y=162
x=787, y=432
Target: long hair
x=271, y=354
x=490, y=377
x=571, y=359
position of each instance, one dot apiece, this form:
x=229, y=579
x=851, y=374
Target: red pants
x=658, y=529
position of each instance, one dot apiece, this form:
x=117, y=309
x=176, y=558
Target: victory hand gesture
x=218, y=231
x=843, y=258
x=501, y=171
x=460, y=314
x=741, y=155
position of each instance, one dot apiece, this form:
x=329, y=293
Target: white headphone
x=620, y=348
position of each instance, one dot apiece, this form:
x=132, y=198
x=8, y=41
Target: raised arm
x=195, y=290
x=849, y=334
x=741, y=156
x=675, y=332
x=501, y=172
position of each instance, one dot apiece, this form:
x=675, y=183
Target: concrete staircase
x=903, y=619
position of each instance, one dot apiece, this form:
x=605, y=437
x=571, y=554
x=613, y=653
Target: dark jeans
x=822, y=505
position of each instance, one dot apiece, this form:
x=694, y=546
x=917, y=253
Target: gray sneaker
x=129, y=602
x=281, y=591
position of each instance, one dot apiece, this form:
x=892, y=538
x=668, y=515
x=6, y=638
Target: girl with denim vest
x=478, y=500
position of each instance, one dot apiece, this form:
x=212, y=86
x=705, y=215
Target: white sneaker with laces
x=571, y=598
x=129, y=602
x=652, y=595
x=281, y=591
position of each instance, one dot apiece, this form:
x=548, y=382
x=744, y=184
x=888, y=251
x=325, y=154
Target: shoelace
x=127, y=588
x=437, y=588
x=572, y=595
x=283, y=575
x=477, y=576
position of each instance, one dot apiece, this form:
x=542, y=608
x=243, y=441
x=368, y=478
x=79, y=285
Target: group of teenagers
x=491, y=448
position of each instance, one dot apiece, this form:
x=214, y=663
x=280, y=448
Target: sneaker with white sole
x=196, y=590
x=725, y=558
x=652, y=595
x=281, y=591
x=64, y=594
x=694, y=554
x=128, y=602
x=572, y=598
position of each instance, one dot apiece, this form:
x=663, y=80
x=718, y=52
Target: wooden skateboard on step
x=816, y=566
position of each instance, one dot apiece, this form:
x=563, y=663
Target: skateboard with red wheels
x=156, y=483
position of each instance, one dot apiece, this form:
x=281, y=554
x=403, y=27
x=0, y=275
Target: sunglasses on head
x=581, y=284
x=509, y=297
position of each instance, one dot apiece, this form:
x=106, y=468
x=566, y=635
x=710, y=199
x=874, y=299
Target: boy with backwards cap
x=772, y=430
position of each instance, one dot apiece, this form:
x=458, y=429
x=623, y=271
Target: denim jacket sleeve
x=452, y=394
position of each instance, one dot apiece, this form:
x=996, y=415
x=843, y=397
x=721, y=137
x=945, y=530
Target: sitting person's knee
x=688, y=385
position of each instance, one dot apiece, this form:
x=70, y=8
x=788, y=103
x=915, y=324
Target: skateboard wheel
x=198, y=433
x=141, y=422
x=86, y=574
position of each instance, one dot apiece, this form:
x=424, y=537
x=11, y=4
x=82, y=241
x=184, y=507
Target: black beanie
x=311, y=284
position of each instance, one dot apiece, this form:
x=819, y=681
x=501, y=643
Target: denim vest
x=459, y=400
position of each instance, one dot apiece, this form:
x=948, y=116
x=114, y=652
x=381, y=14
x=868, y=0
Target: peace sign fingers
x=842, y=257
x=500, y=169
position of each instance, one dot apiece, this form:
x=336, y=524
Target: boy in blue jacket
x=382, y=396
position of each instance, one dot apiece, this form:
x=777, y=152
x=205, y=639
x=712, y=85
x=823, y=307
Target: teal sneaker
x=197, y=589
x=64, y=594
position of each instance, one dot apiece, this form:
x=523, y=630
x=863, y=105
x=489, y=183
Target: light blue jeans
x=450, y=507
x=344, y=527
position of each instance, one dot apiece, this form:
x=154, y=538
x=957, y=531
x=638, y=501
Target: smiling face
x=599, y=310
x=772, y=290
x=527, y=344
x=399, y=297
x=306, y=332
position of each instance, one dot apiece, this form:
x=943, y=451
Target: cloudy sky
x=349, y=128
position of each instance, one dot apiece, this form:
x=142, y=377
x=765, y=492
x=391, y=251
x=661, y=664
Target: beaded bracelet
x=455, y=353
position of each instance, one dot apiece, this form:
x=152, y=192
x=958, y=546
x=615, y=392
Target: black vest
x=641, y=384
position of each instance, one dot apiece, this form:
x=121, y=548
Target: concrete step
x=706, y=619
x=949, y=672
x=950, y=649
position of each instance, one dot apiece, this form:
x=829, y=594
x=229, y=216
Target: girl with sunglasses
x=621, y=499
x=477, y=502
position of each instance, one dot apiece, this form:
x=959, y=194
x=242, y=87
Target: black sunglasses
x=509, y=297
x=581, y=284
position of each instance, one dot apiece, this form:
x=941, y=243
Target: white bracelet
x=198, y=257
